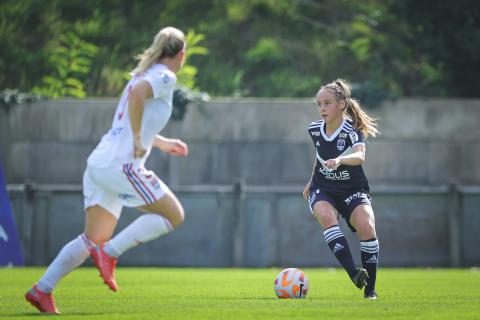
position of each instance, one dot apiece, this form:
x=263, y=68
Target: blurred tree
x=264, y=48
x=74, y=48
x=446, y=37
x=71, y=59
x=188, y=73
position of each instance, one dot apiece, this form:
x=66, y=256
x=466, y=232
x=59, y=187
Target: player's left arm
x=175, y=147
x=355, y=158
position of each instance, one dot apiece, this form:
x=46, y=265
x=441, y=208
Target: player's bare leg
x=99, y=227
x=99, y=224
x=363, y=220
x=169, y=207
x=326, y=214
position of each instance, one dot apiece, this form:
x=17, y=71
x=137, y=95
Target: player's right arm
x=136, y=105
x=306, y=190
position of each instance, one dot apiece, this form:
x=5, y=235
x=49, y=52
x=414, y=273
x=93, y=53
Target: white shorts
x=115, y=187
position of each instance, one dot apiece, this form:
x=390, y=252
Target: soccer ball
x=291, y=283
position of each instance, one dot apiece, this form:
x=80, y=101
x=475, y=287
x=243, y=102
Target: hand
x=138, y=148
x=176, y=147
x=306, y=191
x=332, y=164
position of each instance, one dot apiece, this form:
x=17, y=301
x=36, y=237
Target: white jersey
x=116, y=146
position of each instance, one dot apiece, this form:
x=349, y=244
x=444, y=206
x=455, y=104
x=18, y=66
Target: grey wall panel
x=277, y=229
x=264, y=141
x=470, y=229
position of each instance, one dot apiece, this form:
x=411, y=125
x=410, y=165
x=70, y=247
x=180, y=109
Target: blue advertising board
x=10, y=252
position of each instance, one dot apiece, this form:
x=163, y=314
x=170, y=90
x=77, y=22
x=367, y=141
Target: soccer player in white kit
x=115, y=175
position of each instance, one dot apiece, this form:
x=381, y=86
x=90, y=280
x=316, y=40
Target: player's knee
x=326, y=218
x=366, y=230
x=178, y=218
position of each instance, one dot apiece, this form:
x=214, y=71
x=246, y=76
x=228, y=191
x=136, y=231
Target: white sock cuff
x=87, y=242
x=332, y=233
x=370, y=246
x=158, y=222
x=146, y=228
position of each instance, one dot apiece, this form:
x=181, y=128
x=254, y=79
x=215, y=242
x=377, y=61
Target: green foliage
x=265, y=50
x=187, y=74
x=255, y=48
x=72, y=59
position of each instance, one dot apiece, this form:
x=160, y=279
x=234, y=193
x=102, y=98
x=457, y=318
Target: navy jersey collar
x=335, y=134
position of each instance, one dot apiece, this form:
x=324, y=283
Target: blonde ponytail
x=167, y=43
x=361, y=120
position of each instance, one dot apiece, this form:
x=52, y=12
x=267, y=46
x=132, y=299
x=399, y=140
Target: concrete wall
x=263, y=143
x=261, y=228
x=424, y=142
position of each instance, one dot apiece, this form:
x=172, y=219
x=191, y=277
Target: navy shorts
x=343, y=203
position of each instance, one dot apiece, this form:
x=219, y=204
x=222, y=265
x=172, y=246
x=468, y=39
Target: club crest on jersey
x=164, y=78
x=340, y=144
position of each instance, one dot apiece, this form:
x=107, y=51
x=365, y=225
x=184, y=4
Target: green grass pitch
x=167, y=293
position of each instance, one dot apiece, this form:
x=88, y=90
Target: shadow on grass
x=38, y=314
x=261, y=298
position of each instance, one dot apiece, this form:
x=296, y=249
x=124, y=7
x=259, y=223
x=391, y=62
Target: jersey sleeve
x=313, y=130
x=356, y=137
x=309, y=132
x=162, y=84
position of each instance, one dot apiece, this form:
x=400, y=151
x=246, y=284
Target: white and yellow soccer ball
x=291, y=283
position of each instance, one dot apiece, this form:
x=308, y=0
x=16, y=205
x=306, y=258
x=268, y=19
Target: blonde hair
x=167, y=43
x=342, y=90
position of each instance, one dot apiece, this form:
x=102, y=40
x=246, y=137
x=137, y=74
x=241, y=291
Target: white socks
x=72, y=255
x=146, y=228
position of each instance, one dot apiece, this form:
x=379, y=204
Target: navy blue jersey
x=345, y=178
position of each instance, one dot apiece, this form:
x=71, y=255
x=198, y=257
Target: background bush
x=268, y=48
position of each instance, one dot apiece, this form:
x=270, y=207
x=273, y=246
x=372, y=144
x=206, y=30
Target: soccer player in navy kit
x=338, y=186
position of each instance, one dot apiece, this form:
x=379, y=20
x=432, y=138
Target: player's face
x=330, y=109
